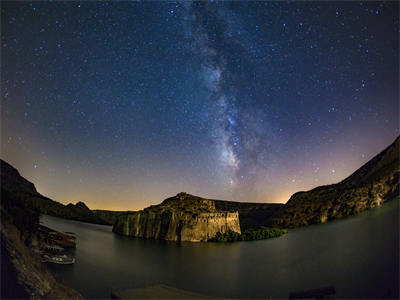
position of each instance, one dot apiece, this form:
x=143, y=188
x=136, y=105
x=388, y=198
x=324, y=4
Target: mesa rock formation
x=180, y=218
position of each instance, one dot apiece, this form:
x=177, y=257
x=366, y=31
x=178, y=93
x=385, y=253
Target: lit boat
x=58, y=259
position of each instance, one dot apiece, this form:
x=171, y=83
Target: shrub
x=248, y=235
x=229, y=236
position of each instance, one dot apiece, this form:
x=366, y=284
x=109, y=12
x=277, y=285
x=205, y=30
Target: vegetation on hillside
x=248, y=235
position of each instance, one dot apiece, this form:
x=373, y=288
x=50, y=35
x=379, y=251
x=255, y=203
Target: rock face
x=180, y=218
x=13, y=183
x=373, y=184
x=23, y=275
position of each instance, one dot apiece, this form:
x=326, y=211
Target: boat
x=52, y=248
x=58, y=259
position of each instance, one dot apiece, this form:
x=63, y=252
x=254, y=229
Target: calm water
x=358, y=255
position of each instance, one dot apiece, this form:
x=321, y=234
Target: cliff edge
x=180, y=218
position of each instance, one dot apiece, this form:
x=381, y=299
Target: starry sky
x=122, y=104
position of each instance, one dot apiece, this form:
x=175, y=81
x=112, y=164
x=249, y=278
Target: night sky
x=122, y=104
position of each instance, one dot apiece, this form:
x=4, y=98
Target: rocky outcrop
x=13, y=183
x=180, y=218
x=80, y=212
x=373, y=184
x=22, y=273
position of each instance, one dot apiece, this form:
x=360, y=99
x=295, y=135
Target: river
x=358, y=255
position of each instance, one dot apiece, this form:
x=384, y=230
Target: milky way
x=122, y=104
x=234, y=132
x=221, y=97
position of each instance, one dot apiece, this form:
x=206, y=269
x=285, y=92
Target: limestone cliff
x=180, y=218
x=373, y=184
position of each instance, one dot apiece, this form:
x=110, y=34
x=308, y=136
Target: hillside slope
x=371, y=185
x=22, y=273
x=109, y=216
x=13, y=183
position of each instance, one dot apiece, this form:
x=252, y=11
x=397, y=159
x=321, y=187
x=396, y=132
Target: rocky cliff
x=12, y=182
x=373, y=184
x=23, y=275
x=180, y=218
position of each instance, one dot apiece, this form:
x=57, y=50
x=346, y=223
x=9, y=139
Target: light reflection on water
x=358, y=255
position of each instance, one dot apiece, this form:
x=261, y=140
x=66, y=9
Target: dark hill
x=14, y=184
x=371, y=185
x=109, y=216
x=23, y=276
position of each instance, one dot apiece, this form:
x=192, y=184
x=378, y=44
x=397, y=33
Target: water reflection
x=358, y=255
